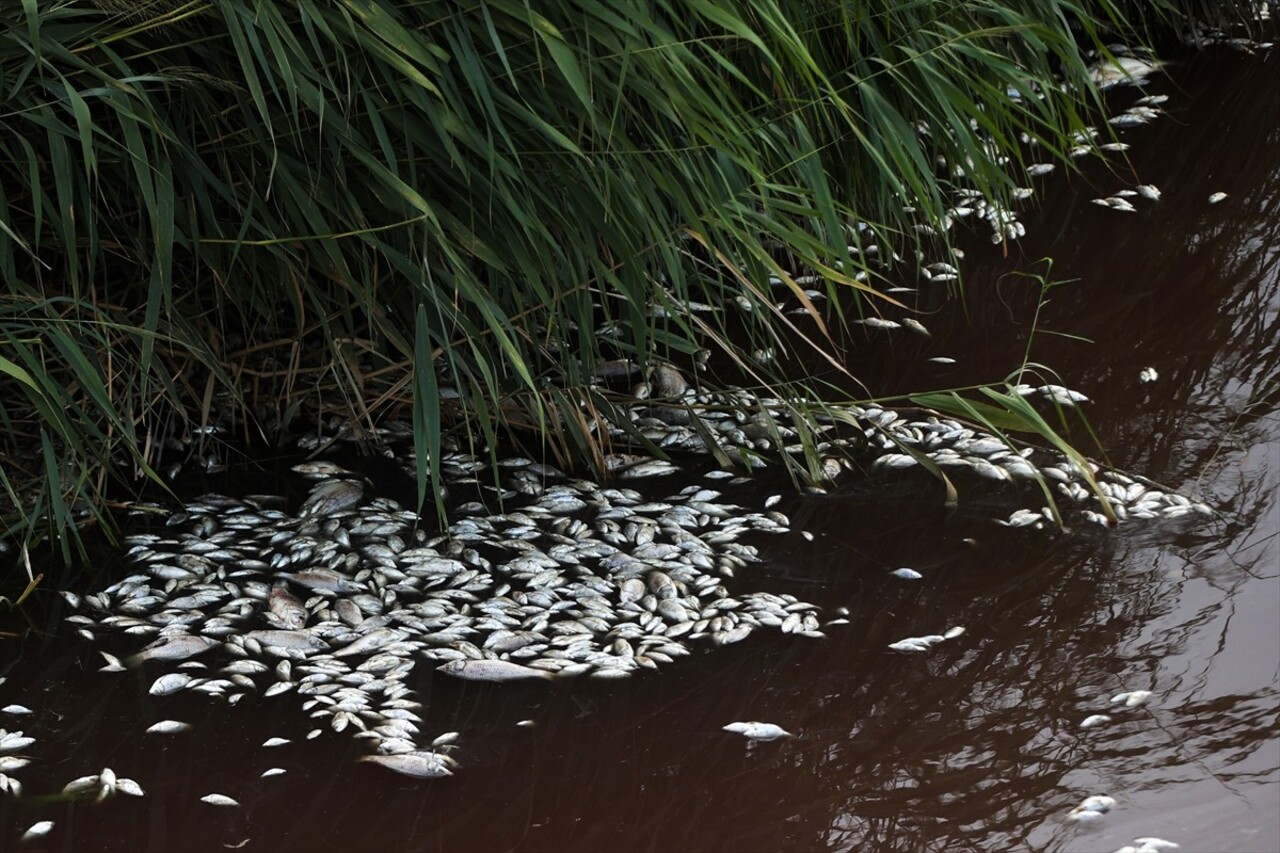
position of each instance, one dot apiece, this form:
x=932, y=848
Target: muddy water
x=976, y=746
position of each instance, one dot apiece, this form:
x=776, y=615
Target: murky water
x=975, y=746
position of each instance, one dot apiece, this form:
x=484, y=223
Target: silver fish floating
x=219, y=800
x=179, y=647
x=1132, y=699
x=38, y=830
x=167, y=685
x=420, y=765
x=758, y=731
x=168, y=727
x=492, y=670
x=1091, y=808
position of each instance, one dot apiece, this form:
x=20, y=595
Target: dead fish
x=14, y=741
x=420, y=765
x=1094, y=720
x=632, y=590
x=445, y=739
x=1217, y=197
x=218, y=800
x=276, y=741
x=129, y=787
x=492, y=670
x=286, y=609
x=169, y=684
x=323, y=581
x=273, y=771
x=321, y=468
x=38, y=830
x=16, y=710
x=906, y=574
x=113, y=663
x=331, y=496
x=371, y=642
x=1091, y=808
x=178, y=647
x=916, y=326
x=1132, y=699
x=298, y=640
x=81, y=784
x=758, y=731
x=168, y=727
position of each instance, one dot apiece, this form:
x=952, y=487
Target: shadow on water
x=975, y=746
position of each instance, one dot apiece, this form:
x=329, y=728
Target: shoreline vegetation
x=492, y=222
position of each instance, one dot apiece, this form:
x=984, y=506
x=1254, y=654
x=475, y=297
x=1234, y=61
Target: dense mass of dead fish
x=338, y=603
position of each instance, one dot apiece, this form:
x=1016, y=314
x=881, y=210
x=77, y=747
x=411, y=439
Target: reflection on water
x=975, y=746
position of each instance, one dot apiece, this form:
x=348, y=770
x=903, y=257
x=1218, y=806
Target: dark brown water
x=976, y=746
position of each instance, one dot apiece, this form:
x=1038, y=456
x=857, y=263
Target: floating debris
x=942, y=359
x=758, y=731
x=1148, y=375
x=1217, y=197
